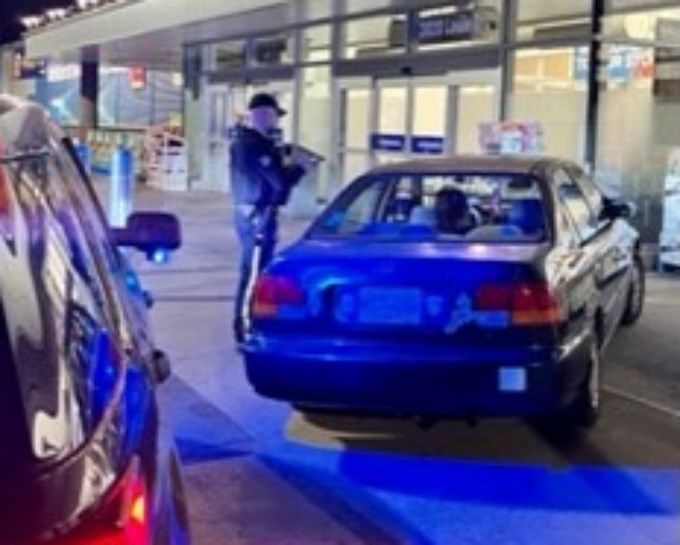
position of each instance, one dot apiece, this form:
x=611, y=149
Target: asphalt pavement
x=259, y=473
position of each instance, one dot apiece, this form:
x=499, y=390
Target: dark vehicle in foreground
x=454, y=286
x=84, y=456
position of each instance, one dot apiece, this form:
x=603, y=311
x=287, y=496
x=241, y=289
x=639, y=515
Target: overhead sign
x=428, y=145
x=63, y=72
x=388, y=142
x=452, y=26
x=23, y=69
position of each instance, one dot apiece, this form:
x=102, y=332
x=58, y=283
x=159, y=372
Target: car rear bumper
x=416, y=380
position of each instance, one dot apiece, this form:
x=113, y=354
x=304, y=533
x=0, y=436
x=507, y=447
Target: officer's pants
x=257, y=234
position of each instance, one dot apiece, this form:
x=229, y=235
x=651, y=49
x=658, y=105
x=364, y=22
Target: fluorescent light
x=30, y=22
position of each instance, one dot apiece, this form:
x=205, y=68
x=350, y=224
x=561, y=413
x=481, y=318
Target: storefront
x=369, y=81
x=374, y=81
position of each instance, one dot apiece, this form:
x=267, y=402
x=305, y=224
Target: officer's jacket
x=258, y=174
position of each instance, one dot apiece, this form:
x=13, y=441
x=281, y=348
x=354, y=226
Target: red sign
x=137, y=77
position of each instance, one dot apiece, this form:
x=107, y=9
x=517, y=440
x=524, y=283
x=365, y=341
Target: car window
x=476, y=207
x=70, y=294
x=354, y=210
x=591, y=191
x=572, y=197
x=40, y=190
x=566, y=229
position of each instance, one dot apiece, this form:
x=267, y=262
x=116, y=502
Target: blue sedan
x=457, y=286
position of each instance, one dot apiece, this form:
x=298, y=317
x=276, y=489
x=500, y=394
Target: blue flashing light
x=132, y=282
x=160, y=256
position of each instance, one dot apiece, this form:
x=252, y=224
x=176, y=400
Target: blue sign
x=428, y=145
x=623, y=62
x=388, y=142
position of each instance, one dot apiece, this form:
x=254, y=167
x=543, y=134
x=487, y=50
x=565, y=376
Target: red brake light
x=124, y=519
x=528, y=303
x=273, y=292
x=493, y=297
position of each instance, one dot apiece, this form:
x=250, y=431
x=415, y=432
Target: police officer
x=262, y=179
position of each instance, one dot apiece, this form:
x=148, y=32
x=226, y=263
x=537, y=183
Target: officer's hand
x=304, y=160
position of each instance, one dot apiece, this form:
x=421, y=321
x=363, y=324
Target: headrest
x=528, y=215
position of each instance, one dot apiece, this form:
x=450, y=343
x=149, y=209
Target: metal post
x=121, y=186
x=507, y=30
x=593, y=106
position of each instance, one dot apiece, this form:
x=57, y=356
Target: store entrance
x=385, y=120
x=226, y=107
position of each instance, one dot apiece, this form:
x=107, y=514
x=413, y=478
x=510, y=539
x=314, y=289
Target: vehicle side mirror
x=153, y=233
x=615, y=209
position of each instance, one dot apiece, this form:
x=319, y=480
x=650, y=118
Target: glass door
x=431, y=117
x=216, y=119
x=387, y=120
x=475, y=101
x=390, y=138
x=357, y=118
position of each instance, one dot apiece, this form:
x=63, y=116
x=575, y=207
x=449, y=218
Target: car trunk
x=452, y=293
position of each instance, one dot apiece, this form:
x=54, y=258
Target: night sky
x=12, y=10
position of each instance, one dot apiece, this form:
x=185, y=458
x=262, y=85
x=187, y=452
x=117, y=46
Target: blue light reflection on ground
x=590, y=489
x=443, y=501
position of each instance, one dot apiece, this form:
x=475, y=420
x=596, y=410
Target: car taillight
x=123, y=517
x=528, y=303
x=277, y=296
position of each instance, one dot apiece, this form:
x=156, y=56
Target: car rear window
x=448, y=207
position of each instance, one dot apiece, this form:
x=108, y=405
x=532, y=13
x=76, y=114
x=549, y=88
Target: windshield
x=454, y=207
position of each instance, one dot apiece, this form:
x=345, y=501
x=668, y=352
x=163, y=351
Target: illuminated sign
x=388, y=142
x=137, y=76
x=428, y=145
x=23, y=69
x=450, y=26
x=63, y=72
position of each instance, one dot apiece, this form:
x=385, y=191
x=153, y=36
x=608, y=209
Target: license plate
x=390, y=306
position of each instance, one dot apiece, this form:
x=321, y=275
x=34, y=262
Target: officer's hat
x=265, y=100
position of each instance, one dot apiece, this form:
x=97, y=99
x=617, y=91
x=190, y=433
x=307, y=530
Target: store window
x=541, y=20
x=317, y=43
x=574, y=200
x=229, y=55
x=550, y=88
x=375, y=36
x=316, y=111
x=357, y=6
x=310, y=10
x=639, y=121
x=273, y=50
x=136, y=97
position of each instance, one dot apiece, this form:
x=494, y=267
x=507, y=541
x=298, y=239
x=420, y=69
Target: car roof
x=490, y=164
x=24, y=126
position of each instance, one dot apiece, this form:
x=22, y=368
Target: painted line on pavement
x=657, y=407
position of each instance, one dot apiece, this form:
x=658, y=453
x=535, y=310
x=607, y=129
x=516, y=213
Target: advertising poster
x=669, y=252
x=511, y=137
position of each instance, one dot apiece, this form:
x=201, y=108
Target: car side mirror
x=153, y=233
x=615, y=209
